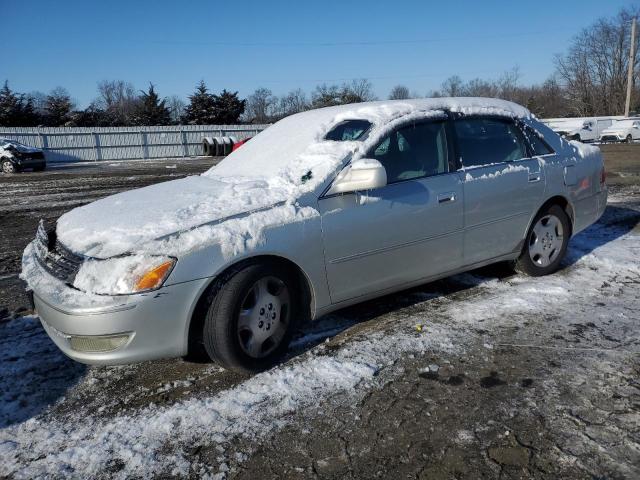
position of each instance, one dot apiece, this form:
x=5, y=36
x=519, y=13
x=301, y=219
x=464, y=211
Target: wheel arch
x=196, y=321
x=563, y=203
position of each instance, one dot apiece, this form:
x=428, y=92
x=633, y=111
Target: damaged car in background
x=15, y=157
x=322, y=210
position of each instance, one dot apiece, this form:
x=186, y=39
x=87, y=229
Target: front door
x=408, y=230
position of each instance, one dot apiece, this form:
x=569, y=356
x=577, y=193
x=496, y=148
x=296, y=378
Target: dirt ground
x=482, y=375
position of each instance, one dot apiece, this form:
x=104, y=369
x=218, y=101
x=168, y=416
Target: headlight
x=124, y=275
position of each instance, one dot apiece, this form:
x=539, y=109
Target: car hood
x=120, y=223
x=21, y=148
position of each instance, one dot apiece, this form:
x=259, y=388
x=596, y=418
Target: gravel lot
x=482, y=375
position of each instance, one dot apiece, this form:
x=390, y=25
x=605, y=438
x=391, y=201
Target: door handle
x=447, y=197
x=534, y=177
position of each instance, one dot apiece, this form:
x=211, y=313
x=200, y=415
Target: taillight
x=603, y=176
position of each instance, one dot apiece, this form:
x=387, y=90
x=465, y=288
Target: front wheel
x=546, y=243
x=629, y=139
x=8, y=166
x=251, y=318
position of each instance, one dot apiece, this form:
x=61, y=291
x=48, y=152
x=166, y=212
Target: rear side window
x=348, y=130
x=414, y=151
x=483, y=141
x=538, y=145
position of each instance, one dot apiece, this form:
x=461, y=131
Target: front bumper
x=154, y=325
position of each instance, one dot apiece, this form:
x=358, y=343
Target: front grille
x=609, y=138
x=54, y=257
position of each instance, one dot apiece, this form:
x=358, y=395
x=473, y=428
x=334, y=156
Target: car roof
x=380, y=112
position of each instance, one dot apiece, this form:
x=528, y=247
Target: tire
x=629, y=139
x=546, y=243
x=251, y=317
x=8, y=166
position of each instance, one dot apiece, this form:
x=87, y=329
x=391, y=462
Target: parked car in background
x=15, y=157
x=322, y=210
x=587, y=129
x=627, y=130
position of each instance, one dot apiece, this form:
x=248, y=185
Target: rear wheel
x=8, y=166
x=629, y=139
x=251, y=317
x=546, y=242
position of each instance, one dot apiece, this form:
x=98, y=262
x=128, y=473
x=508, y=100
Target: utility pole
x=632, y=57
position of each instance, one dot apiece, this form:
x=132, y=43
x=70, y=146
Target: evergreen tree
x=57, y=107
x=202, y=107
x=150, y=110
x=10, y=107
x=228, y=108
x=29, y=117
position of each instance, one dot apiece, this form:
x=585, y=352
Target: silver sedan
x=322, y=210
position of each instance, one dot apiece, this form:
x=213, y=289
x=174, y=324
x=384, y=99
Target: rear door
x=405, y=231
x=503, y=186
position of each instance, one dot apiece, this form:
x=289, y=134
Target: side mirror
x=363, y=174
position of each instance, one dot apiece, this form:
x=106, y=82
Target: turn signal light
x=154, y=278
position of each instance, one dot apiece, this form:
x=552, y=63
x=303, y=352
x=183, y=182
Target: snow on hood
x=5, y=143
x=265, y=172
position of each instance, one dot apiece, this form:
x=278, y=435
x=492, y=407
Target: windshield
x=623, y=124
x=294, y=142
x=349, y=130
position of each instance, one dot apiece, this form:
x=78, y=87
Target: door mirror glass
x=363, y=174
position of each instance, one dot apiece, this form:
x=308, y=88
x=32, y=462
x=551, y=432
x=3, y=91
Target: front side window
x=484, y=141
x=414, y=151
x=348, y=130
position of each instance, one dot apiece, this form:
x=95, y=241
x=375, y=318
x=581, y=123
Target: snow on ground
x=157, y=440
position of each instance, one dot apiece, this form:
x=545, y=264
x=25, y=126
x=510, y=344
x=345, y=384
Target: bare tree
x=326, y=96
x=260, y=106
x=453, y=87
x=176, y=108
x=594, y=69
x=359, y=90
x=399, y=92
x=293, y=102
x=481, y=88
x=118, y=99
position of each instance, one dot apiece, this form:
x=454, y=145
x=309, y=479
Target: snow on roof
x=272, y=150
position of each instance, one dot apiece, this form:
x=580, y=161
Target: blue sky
x=243, y=45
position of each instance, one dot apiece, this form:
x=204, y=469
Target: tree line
x=590, y=79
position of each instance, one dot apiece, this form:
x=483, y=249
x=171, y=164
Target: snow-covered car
x=15, y=156
x=626, y=130
x=322, y=210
